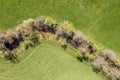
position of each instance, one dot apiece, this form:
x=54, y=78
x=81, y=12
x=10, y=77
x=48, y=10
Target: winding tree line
x=29, y=33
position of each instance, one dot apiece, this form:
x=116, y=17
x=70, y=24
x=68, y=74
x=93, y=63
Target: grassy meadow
x=97, y=19
x=48, y=61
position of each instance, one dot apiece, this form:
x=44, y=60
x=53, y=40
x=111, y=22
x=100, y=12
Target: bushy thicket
x=109, y=55
x=78, y=35
x=65, y=28
x=9, y=39
x=30, y=27
x=39, y=21
x=106, y=62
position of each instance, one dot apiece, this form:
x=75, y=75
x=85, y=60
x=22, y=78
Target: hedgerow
x=31, y=31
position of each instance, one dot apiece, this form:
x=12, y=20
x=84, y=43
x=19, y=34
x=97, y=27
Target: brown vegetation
x=106, y=62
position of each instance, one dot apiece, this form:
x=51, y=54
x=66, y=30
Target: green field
x=98, y=19
x=47, y=61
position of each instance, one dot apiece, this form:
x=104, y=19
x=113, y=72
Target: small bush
x=59, y=32
x=49, y=21
x=109, y=55
x=39, y=21
x=64, y=47
x=83, y=50
x=114, y=74
x=10, y=56
x=92, y=48
x=98, y=63
x=66, y=27
x=79, y=36
x=27, y=23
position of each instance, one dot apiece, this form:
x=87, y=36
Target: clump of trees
x=81, y=43
x=78, y=35
x=39, y=21
x=98, y=63
x=64, y=29
x=75, y=38
x=105, y=62
x=45, y=24
x=79, y=40
x=109, y=55
x=12, y=39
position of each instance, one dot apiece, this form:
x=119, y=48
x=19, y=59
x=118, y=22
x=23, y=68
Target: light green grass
x=48, y=62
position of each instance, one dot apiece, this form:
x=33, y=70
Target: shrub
x=98, y=63
x=83, y=50
x=79, y=56
x=35, y=38
x=79, y=36
x=103, y=64
x=9, y=34
x=59, y=32
x=49, y=21
x=109, y=55
x=10, y=56
x=66, y=27
x=69, y=29
x=92, y=48
x=39, y=21
x=64, y=47
x=27, y=23
x=114, y=74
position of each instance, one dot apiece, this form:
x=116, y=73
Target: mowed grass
x=48, y=61
x=98, y=19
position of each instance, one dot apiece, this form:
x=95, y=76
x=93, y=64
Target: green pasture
x=48, y=61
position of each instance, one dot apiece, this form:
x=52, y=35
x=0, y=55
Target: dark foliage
x=8, y=45
x=64, y=47
x=45, y=28
x=69, y=38
x=77, y=43
x=14, y=44
x=12, y=57
x=91, y=49
x=79, y=59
